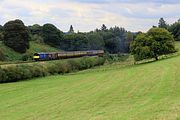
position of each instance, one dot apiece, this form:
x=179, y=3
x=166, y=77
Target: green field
x=112, y=92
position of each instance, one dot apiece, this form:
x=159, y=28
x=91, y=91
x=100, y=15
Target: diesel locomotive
x=64, y=55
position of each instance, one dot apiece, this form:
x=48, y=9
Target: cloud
x=86, y=15
x=128, y=1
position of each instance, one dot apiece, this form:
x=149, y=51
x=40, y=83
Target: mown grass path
x=147, y=91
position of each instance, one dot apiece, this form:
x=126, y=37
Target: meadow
x=120, y=91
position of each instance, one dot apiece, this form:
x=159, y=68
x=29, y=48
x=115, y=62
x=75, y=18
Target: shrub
x=26, y=71
x=2, y=75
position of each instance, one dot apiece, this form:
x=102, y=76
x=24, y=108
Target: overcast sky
x=86, y=15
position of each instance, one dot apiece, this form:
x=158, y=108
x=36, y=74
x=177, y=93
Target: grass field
x=137, y=92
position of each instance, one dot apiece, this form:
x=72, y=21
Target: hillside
x=11, y=55
x=139, y=92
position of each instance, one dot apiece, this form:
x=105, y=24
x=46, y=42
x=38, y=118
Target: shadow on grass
x=161, y=58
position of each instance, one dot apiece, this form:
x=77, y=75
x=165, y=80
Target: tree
x=1, y=33
x=16, y=36
x=129, y=39
x=71, y=30
x=96, y=41
x=175, y=30
x=1, y=36
x=35, y=29
x=104, y=28
x=1, y=28
x=162, y=23
x=156, y=42
x=52, y=35
x=75, y=42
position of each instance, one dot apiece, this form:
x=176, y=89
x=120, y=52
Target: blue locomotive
x=64, y=55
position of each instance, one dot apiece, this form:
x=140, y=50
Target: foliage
x=95, y=41
x=16, y=36
x=71, y=30
x=37, y=38
x=1, y=36
x=74, y=42
x=175, y=30
x=162, y=24
x=2, y=56
x=35, y=29
x=112, y=58
x=13, y=73
x=156, y=42
x=52, y=35
x=1, y=33
x=1, y=28
x=103, y=27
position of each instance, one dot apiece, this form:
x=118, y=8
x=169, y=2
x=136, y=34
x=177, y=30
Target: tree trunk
x=156, y=58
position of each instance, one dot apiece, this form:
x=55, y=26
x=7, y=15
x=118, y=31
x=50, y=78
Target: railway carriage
x=64, y=55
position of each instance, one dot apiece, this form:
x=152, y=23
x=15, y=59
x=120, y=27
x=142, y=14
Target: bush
x=2, y=56
x=26, y=71
x=116, y=57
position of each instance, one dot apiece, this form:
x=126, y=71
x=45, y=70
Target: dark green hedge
x=20, y=72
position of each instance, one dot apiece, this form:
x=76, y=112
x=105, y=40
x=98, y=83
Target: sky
x=87, y=15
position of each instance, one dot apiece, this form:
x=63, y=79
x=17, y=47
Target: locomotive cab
x=36, y=57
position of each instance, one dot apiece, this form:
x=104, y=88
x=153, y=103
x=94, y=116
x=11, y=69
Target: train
x=66, y=54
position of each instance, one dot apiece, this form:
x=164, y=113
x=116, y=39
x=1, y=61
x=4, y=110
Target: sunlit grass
x=137, y=92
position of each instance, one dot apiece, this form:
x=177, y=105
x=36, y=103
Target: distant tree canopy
x=16, y=36
x=156, y=42
x=35, y=29
x=103, y=27
x=162, y=24
x=175, y=30
x=52, y=35
x=1, y=33
x=71, y=30
x=1, y=28
x=74, y=42
x=95, y=41
x=113, y=40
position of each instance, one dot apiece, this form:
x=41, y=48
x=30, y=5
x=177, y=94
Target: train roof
x=67, y=52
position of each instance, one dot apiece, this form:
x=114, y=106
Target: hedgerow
x=15, y=73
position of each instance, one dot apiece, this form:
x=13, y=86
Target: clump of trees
x=16, y=36
x=173, y=28
x=113, y=40
x=74, y=42
x=156, y=42
x=52, y=35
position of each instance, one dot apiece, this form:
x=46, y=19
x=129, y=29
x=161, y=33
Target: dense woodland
x=16, y=35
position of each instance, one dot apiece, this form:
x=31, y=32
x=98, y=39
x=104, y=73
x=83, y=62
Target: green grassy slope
x=140, y=92
x=11, y=55
x=36, y=47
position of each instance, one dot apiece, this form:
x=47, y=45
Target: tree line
x=159, y=40
x=16, y=35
